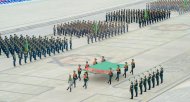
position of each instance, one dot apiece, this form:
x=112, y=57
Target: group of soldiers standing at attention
x=32, y=47
x=142, y=16
x=93, y=30
x=180, y=6
x=152, y=80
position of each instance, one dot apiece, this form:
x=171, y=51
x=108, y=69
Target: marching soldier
x=74, y=78
x=149, y=81
x=79, y=72
x=110, y=76
x=20, y=58
x=131, y=89
x=157, y=77
x=70, y=42
x=136, y=88
x=153, y=80
x=25, y=57
x=141, y=86
x=125, y=69
x=118, y=73
x=85, y=80
x=14, y=60
x=132, y=66
x=70, y=81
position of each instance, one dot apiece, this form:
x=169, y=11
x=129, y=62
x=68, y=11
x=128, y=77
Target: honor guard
x=161, y=75
x=157, y=77
x=110, y=76
x=118, y=73
x=14, y=60
x=85, y=77
x=153, y=80
x=79, y=72
x=136, y=88
x=132, y=66
x=144, y=83
x=125, y=69
x=131, y=90
x=149, y=81
x=70, y=42
x=74, y=78
x=141, y=86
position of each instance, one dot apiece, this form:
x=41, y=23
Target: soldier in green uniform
x=149, y=81
x=153, y=80
x=131, y=89
x=141, y=85
x=144, y=83
x=161, y=74
x=136, y=88
x=157, y=77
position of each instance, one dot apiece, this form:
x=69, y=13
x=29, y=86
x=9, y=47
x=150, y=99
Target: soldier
x=30, y=54
x=88, y=39
x=70, y=42
x=95, y=61
x=125, y=69
x=20, y=58
x=54, y=30
x=157, y=77
x=141, y=85
x=14, y=60
x=85, y=80
x=131, y=89
x=149, y=81
x=118, y=73
x=132, y=66
x=79, y=72
x=161, y=75
x=70, y=81
x=110, y=76
x=25, y=56
x=66, y=45
x=136, y=88
x=153, y=80
x=103, y=59
x=74, y=78
x=144, y=83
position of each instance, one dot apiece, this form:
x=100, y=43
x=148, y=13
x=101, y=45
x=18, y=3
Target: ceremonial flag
x=26, y=46
x=185, y=3
x=95, y=27
x=146, y=14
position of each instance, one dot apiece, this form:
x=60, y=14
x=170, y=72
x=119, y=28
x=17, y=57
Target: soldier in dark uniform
x=66, y=45
x=20, y=58
x=70, y=43
x=144, y=83
x=30, y=55
x=161, y=74
x=54, y=30
x=131, y=89
x=157, y=77
x=110, y=76
x=149, y=81
x=141, y=86
x=136, y=88
x=14, y=60
x=25, y=57
x=153, y=80
x=132, y=66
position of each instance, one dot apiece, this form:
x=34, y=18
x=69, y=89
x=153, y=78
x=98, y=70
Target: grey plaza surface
x=166, y=43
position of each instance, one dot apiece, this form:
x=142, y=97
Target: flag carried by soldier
x=95, y=27
x=185, y=3
x=26, y=46
x=146, y=14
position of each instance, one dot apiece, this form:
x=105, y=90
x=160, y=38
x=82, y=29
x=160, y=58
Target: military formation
x=93, y=30
x=29, y=48
x=181, y=6
x=149, y=81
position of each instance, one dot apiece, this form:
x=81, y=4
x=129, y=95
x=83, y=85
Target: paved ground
x=165, y=43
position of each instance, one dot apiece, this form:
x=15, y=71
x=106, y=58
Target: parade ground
x=166, y=43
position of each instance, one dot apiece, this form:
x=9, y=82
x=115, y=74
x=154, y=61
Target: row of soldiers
x=106, y=30
x=152, y=17
x=32, y=47
x=152, y=80
x=94, y=31
x=136, y=15
x=180, y=6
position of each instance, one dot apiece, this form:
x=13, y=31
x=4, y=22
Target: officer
x=144, y=83
x=79, y=72
x=20, y=58
x=161, y=75
x=141, y=85
x=70, y=43
x=74, y=78
x=132, y=66
x=157, y=77
x=125, y=69
x=136, y=88
x=110, y=76
x=118, y=73
x=149, y=81
x=131, y=89
x=14, y=60
x=153, y=80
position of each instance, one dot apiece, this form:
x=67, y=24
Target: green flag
x=26, y=46
x=146, y=14
x=185, y=3
x=95, y=27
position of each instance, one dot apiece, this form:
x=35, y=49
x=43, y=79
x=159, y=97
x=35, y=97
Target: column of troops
x=32, y=47
x=142, y=16
x=93, y=30
x=153, y=79
x=180, y=6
